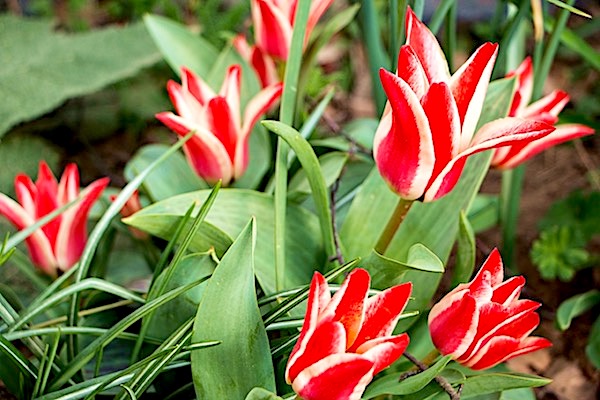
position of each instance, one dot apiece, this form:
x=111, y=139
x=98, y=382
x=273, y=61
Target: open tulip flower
x=273, y=22
x=428, y=128
x=483, y=323
x=219, y=148
x=546, y=109
x=58, y=244
x=346, y=339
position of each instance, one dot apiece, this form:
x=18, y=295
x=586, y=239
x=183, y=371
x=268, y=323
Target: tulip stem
x=444, y=384
x=393, y=224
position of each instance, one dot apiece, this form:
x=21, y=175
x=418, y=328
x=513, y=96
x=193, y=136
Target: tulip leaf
x=262, y=394
x=484, y=212
x=173, y=314
x=465, y=254
x=392, y=385
x=331, y=164
x=17, y=373
x=304, y=250
x=576, y=306
x=310, y=164
x=42, y=68
x=173, y=177
x=228, y=312
x=180, y=47
x=487, y=383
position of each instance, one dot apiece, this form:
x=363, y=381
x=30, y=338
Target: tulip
x=263, y=65
x=546, y=109
x=346, y=339
x=131, y=206
x=219, y=148
x=58, y=245
x=483, y=323
x=273, y=22
x=427, y=131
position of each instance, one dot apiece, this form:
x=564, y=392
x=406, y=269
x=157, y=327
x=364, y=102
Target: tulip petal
x=503, y=348
x=460, y=314
x=72, y=235
x=518, y=154
x=38, y=244
x=196, y=87
x=348, y=304
x=498, y=133
x=382, y=313
x=508, y=291
x=26, y=194
x=329, y=338
x=403, y=150
x=318, y=298
x=317, y=9
x=493, y=265
x=444, y=122
x=221, y=124
x=272, y=29
x=383, y=351
x=186, y=105
x=411, y=71
x=427, y=48
x=469, y=85
x=524, y=75
x=205, y=153
x=551, y=104
x=230, y=90
x=337, y=377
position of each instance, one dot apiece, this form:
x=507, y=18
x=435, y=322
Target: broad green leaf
x=465, y=254
x=478, y=385
x=484, y=212
x=17, y=373
x=229, y=312
x=22, y=154
x=261, y=394
x=43, y=68
x=180, y=47
x=176, y=312
x=592, y=350
x=387, y=272
x=518, y=394
x=392, y=385
x=310, y=164
x=576, y=306
x=331, y=164
x=173, y=177
x=304, y=251
x=359, y=133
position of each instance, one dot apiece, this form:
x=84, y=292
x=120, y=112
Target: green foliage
x=43, y=68
x=576, y=306
x=558, y=253
x=565, y=230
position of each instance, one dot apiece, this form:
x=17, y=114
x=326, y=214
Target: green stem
x=510, y=196
x=286, y=115
x=394, y=48
x=393, y=224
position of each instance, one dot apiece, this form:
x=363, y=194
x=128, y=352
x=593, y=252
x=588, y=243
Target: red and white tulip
x=219, y=148
x=58, y=245
x=428, y=128
x=346, y=339
x=546, y=109
x=483, y=323
x=273, y=21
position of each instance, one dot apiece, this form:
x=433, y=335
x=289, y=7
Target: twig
x=355, y=147
x=454, y=395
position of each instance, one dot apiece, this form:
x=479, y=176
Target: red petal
x=383, y=351
x=230, y=90
x=329, y=338
x=524, y=75
x=453, y=325
x=222, y=124
x=427, y=48
x=411, y=71
x=500, y=349
x=272, y=30
x=337, y=377
x=26, y=194
x=469, y=86
x=403, y=150
x=318, y=298
x=317, y=9
x=196, y=87
x=441, y=111
x=72, y=235
x=508, y=291
x=382, y=313
x=551, y=104
x=348, y=304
